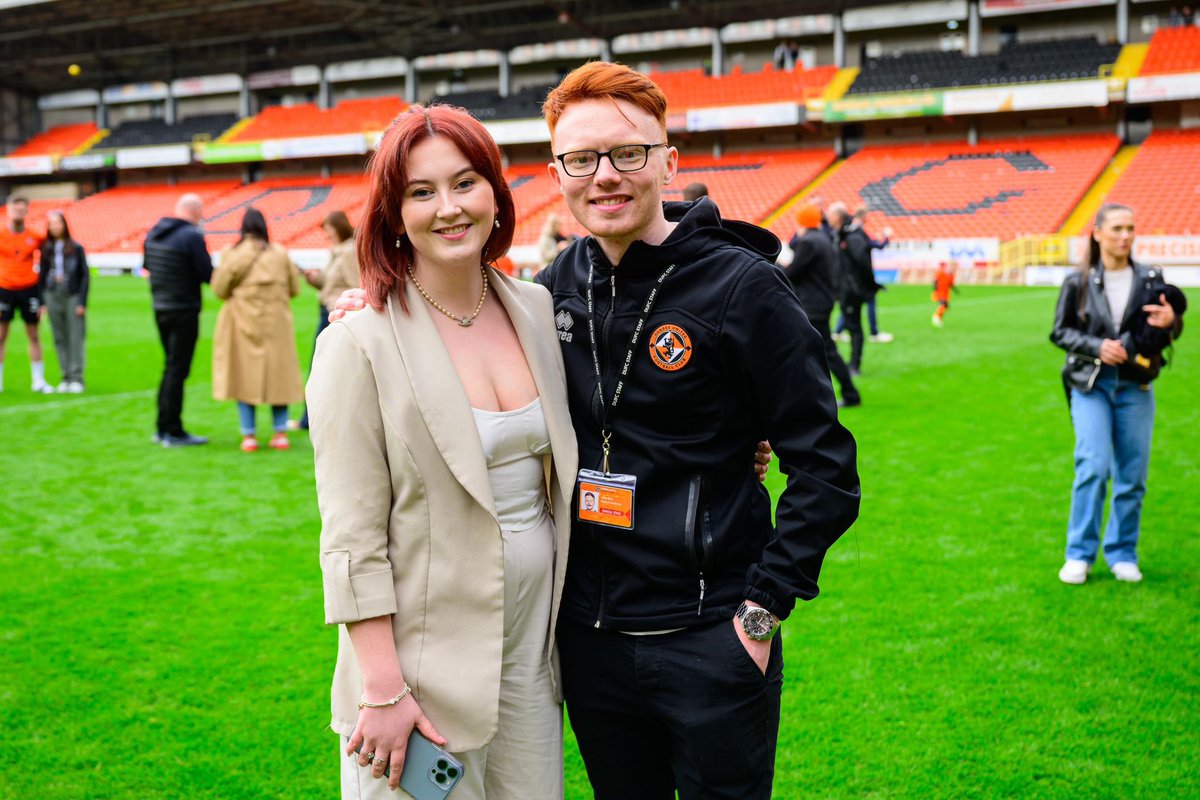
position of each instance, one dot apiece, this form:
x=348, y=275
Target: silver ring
x=379, y=760
x=371, y=756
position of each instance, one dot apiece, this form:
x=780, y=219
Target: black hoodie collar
x=699, y=228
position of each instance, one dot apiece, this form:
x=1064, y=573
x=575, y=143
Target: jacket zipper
x=689, y=536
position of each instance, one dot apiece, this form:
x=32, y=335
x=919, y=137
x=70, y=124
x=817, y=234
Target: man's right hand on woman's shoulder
x=351, y=300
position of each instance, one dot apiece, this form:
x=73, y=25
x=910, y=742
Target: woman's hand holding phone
x=383, y=735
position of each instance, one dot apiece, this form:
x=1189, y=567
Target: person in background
x=340, y=274
x=177, y=263
x=813, y=273
x=254, y=345
x=943, y=282
x=694, y=191
x=63, y=281
x=881, y=337
x=1111, y=397
x=857, y=277
x=19, y=289
x=445, y=463
x=551, y=241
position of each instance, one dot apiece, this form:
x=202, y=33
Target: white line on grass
x=86, y=400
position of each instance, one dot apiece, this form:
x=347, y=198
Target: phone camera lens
x=441, y=762
x=452, y=772
x=439, y=777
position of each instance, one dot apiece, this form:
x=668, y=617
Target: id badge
x=606, y=499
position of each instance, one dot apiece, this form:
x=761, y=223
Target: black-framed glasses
x=624, y=158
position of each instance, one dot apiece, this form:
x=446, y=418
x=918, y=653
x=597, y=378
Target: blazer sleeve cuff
x=353, y=598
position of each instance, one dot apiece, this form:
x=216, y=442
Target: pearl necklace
x=463, y=321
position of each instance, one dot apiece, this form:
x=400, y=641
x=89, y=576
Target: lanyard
x=605, y=430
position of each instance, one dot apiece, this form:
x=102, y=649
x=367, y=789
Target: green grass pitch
x=161, y=610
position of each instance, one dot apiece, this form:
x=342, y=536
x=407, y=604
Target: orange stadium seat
x=1162, y=184
x=60, y=140
x=116, y=221
x=349, y=116
x=1173, y=50
x=1004, y=188
x=294, y=208
x=693, y=89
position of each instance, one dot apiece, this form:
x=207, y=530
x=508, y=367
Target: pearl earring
x=397, y=240
x=497, y=223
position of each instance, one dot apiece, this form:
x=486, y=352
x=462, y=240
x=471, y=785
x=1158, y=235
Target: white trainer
x=75, y=387
x=1074, y=572
x=1126, y=571
x=42, y=388
x=883, y=337
x=63, y=388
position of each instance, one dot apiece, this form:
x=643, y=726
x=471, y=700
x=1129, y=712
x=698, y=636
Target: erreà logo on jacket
x=564, y=322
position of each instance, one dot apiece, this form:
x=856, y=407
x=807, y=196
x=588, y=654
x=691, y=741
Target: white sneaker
x=75, y=387
x=883, y=337
x=1074, y=572
x=937, y=321
x=63, y=388
x=1126, y=571
x=841, y=337
x=42, y=388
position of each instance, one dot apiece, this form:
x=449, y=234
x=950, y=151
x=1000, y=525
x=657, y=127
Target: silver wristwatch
x=758, y=623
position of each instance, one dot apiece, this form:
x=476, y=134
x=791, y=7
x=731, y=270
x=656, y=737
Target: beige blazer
x=409, y=524
x=340, y=274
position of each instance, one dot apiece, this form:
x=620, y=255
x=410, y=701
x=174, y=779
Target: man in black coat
x=857, y=276
x=813, y=274
x=177, y=261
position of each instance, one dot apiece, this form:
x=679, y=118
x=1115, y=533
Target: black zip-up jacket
x=75, y=270
x=854, y=252
x=178, y=262
x=1081, y=327
x=813, y=273
x=747, y=366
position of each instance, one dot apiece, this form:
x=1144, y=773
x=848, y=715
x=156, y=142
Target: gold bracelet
x=362, y=703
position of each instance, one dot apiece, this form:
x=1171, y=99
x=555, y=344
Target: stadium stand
x=116, y=221
x=487, y=104
x=1173, y=50
x=1003, y=188
x=361, y=115
x=1162, y=184
x=694, y=89
x=1017, y=62
x=60, y=140
x=156, y=132
x=294, y=208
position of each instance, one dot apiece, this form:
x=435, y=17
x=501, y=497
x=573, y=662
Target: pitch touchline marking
x=86, y=400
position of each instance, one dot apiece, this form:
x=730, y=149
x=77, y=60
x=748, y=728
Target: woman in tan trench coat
x=254, y=347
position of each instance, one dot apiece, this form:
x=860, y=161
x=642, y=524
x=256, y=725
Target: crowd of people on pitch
x=548, y=491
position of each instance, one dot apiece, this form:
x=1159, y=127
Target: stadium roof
x=117, y=41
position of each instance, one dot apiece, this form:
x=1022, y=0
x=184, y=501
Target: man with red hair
x=693, y=348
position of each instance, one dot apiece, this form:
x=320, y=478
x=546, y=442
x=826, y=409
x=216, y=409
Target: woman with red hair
x=442, y=442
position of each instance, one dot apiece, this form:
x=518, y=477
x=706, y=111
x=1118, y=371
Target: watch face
x=757, y=622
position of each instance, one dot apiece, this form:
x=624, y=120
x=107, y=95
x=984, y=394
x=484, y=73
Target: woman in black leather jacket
x=1111, y=399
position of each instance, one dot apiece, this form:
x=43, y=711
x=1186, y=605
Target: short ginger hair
x=604, y=80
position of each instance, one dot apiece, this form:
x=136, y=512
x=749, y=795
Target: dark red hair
x=383, y=266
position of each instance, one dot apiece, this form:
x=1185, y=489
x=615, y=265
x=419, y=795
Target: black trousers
x=852, y=307
x=686, y=711
x=836, y=365
x=178, y=331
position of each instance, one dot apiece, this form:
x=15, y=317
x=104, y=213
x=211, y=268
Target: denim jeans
x=279, y=417
x=1113, y=427
x=871, y=321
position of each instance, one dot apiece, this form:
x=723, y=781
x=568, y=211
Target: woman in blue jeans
x=1110, y=394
